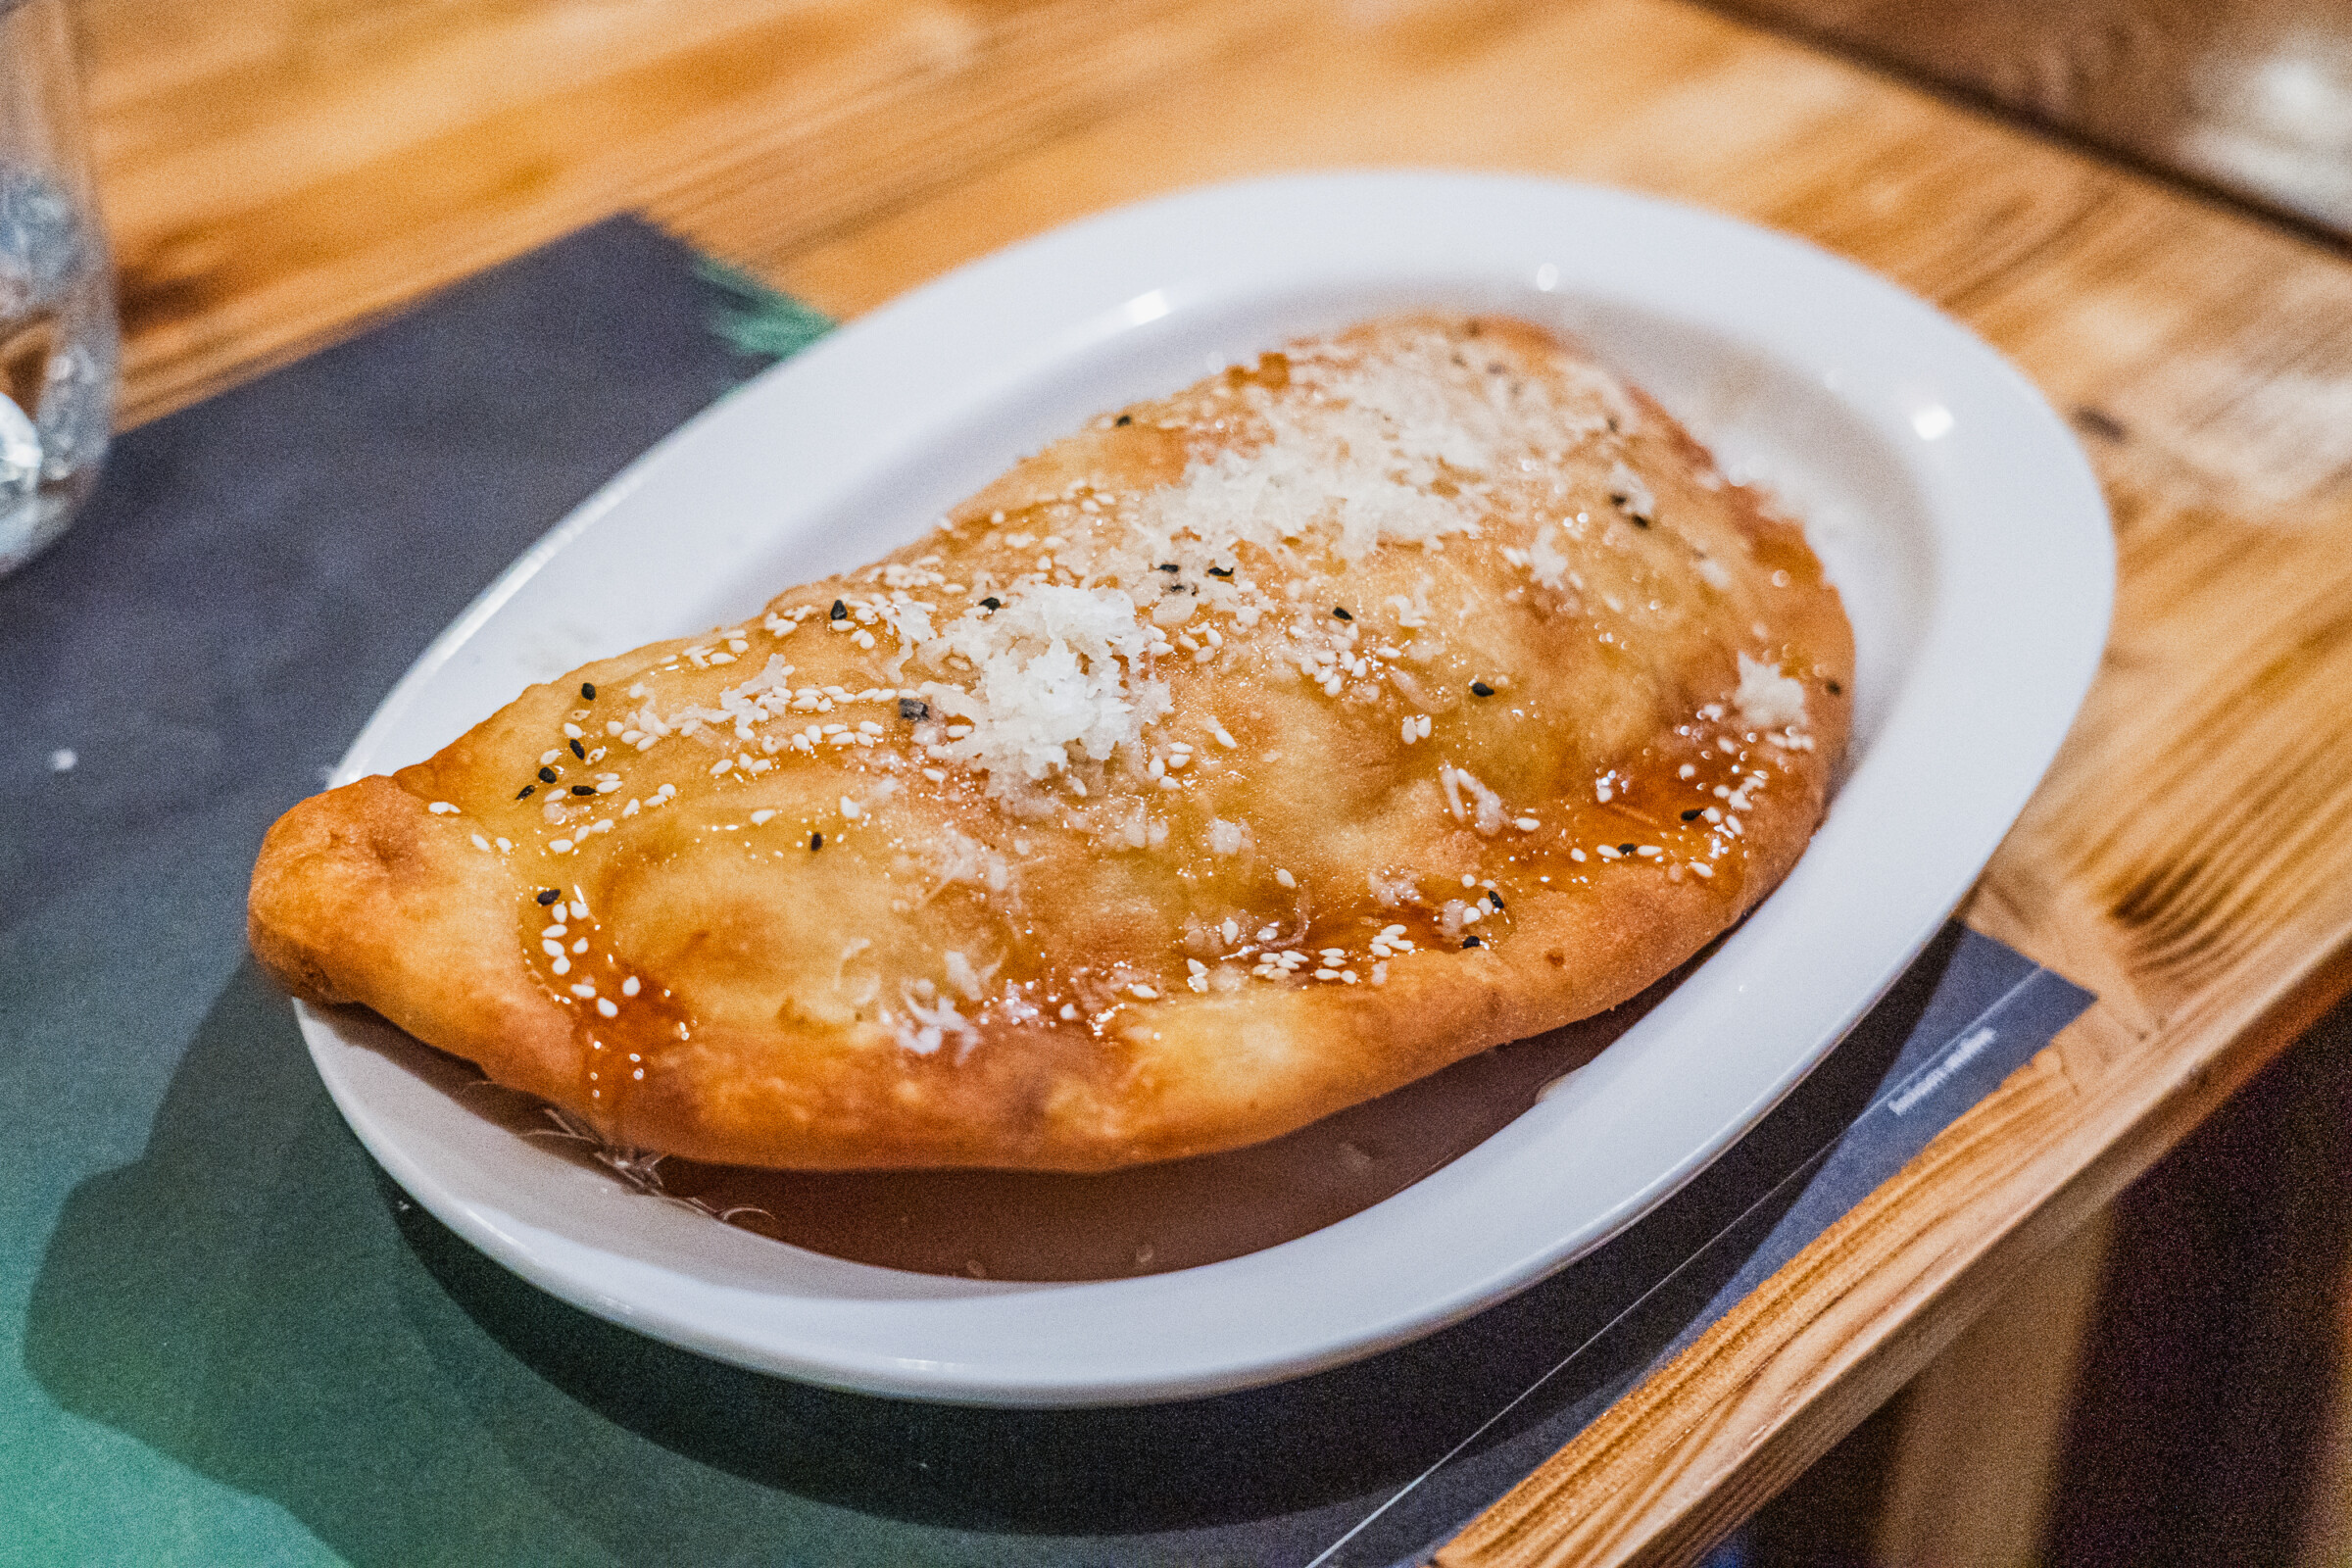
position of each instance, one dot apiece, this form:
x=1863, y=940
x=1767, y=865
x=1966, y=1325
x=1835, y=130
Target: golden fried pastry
x=1241, y=756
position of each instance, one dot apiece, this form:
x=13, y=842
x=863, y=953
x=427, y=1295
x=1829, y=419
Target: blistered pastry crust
x=1244, y=756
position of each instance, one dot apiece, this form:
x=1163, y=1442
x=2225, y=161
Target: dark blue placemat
x=235, y=1342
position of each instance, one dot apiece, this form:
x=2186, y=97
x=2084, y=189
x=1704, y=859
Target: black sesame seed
x=914, y=708
x=1472, y=942
x=1835, y=690
x=1342, y=614
x=1639, y=521
x=1625, y=848
x=588, y=689
x=817, y=841
x=992, y=602
x=1691, y=815
x=526, y=790
x=579, y=751
x=1479, y=688
x=549, y=895
x=1496, y=899
x=2099, y=423
x=583, y=789
x=841, y=611
x=1220, y=571
x=1169, y=566
x=1124, y=418
x=546, y=775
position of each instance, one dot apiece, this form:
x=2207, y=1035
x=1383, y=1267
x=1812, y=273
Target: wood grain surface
x=278, y=171
x=2251, y=97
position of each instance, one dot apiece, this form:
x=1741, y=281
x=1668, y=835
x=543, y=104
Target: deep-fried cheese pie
x=1241, y=756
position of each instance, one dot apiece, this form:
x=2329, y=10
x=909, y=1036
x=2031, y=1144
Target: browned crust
x=363, y=896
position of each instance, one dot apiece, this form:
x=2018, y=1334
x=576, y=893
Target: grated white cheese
x=926, y=1028
x=1544, y=562
x=1487, y=817
x=1766, y=698
x=1053, y=670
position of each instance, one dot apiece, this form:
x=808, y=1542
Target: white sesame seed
x=1703, y=868
x=546, y=758
x=1576, y=854
x=629, y=986
x=1684, y=771
x=481, y=843
x=560, y=847
x=1527, y=824
x=442, y=808
x=935, y=776
x=552, y=947
x=572, y=732
x=579, y=910
x=1069, y=1010
x=1650, y=850
x=506, y=845
x=1284, y=877
x=584, y=990
x=1143, y=993
x=1222, y=738
x=562, y=966
x=604, y=1005
x=851, y=808
x=761, y=816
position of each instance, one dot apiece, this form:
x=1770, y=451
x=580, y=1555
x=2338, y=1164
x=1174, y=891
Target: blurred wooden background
x=2250, y=98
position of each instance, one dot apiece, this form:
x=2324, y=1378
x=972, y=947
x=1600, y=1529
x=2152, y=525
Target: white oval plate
x=1954, y=509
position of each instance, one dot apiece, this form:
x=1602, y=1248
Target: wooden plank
x=2227, y=93
x=2185, y=857
x=310, y=167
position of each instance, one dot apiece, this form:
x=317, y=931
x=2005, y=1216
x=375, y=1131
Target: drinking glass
x=57, y=347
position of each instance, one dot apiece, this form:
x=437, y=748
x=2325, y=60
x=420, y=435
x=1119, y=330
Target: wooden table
x=276, y=174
